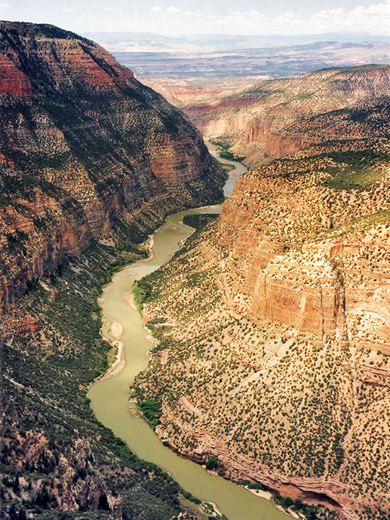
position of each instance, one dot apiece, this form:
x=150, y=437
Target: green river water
x=110, y=396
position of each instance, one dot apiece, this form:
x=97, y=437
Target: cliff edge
x=82, y=144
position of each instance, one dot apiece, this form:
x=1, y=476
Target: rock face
x=275, y=321
x=296, y=205
x=271, y=119
x=83, y=144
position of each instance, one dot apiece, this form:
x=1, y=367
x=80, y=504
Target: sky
x=176, y=17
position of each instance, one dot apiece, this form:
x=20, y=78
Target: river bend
x=110, y=396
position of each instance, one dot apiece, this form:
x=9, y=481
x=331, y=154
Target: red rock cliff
x=272, y=118
x=83, y=144
x=307, y=238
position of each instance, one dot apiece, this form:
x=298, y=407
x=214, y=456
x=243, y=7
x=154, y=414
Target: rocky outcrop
x=79, y=486
x=280, y=117
x=315, y=287
x=83, y=144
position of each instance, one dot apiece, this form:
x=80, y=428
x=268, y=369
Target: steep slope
x=83, y=143
x=56, y=459
x=272, y=118
x=273, y=354
x=90, y=162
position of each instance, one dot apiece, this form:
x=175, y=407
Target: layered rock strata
x=90, y=162
x=279, y=117
x=82, y=144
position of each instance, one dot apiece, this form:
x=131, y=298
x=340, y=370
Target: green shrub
x=211, y=464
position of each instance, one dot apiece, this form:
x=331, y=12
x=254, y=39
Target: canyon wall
x=91, y=161
x=82, y=144
x=269, y=119
x=291, y=226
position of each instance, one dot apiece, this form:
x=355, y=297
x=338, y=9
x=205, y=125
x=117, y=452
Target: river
x=110, y=396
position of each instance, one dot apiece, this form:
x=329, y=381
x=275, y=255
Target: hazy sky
x=174, y=17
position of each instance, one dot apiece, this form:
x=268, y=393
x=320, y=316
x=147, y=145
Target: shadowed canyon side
x=273, y=354
x=90, y=162
x=275, y=118
x=83, y=144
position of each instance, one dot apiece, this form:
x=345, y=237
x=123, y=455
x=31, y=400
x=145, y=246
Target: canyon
x=271, y=364
x=272, y=322
x=274, y=118
x=91, y=161
x=83, y=144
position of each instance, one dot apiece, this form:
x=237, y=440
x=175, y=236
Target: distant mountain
x=133, y=41
x=211, y=63
x=211, y=58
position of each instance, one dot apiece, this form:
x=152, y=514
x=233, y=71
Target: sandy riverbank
x=115, y=331
x=260, y=493
x=129, y=297
x=116, y=328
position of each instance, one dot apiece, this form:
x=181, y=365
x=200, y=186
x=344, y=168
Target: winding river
x=110, y=396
